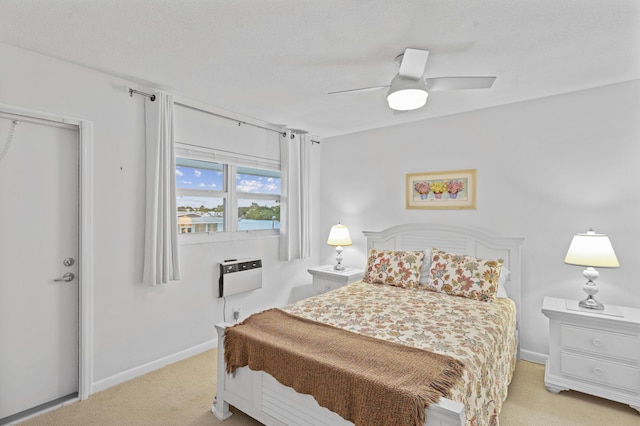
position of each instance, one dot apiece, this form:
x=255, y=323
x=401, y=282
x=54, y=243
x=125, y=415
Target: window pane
x=258, y=214
x=258, y=181
x=200, y=214
x=197, y=174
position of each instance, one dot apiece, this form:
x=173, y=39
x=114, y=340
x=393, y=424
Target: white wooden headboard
x=456, y=239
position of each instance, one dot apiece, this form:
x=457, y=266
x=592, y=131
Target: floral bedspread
x=480, y=334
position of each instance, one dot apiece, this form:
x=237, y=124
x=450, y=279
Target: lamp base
x=591, y=288
x=339, y=266
x=591, y=303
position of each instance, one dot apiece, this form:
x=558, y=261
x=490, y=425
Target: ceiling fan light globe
x=407, y=99
x=407, y=93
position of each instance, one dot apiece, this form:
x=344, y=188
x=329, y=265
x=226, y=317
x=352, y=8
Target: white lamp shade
x=406, y=94
x=593, y=250
x=339, y=236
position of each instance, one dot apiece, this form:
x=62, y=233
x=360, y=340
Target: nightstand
x=325, y=278
x=594, y=353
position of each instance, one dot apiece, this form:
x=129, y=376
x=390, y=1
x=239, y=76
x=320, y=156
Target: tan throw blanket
x=365, y=380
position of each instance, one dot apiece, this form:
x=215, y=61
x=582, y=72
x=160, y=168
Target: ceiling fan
x=409, y=88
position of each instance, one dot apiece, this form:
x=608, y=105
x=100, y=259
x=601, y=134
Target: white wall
x=135, y=324
x=547, y=169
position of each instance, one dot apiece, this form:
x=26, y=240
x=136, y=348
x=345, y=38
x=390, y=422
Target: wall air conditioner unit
x=239, y=275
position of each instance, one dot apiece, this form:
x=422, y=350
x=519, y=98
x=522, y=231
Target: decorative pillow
x=397, y=268
x=462, y=275
x=426, y=266
x=504, y=275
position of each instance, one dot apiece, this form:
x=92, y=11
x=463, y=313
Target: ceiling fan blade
x=459, y=83
x=413, y=63
x=363, y=89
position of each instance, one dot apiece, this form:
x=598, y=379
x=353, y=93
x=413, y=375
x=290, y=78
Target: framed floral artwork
x=455, y=189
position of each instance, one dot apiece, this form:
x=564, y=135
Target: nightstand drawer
x=599, y=371
x=600, y=342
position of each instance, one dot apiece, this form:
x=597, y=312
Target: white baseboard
x=531, y=356
x=116, y=379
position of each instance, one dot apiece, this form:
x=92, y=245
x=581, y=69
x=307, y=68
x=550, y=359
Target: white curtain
x=161, y=227
x=295, y=198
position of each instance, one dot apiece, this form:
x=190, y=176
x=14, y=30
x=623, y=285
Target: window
x=218, y=194
x=258, y=193
x=201, y=196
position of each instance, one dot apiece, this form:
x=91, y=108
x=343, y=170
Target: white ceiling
x=277, y=60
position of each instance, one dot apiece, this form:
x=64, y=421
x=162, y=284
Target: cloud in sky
x=259, y=185
x=205, y=179
x=249, y=186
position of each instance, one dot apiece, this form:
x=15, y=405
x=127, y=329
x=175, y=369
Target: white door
x=38, y=247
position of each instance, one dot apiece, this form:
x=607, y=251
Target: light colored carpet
x=181, y=394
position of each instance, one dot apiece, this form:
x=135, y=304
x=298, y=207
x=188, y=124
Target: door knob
x=69, y=276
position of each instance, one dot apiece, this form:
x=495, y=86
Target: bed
x=456, y=331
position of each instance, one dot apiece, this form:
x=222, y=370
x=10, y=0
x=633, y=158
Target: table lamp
x=591, y=250
x=339, y=236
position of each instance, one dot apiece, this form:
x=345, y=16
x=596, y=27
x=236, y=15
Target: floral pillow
x=397, y=268
x=462, y=275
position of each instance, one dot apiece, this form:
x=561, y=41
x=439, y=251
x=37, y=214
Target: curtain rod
x=152, y=97
x=148, y=95
x=240, y=122
x=300, y=132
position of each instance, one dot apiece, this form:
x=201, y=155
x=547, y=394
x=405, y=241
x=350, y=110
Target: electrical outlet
x=236, y=313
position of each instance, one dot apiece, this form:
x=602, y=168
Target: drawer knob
x=597, y=371
x=597, y=343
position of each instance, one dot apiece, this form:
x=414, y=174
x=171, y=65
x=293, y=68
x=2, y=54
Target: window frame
x=230, y=162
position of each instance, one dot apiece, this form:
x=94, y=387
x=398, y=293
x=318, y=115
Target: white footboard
x=260, y=396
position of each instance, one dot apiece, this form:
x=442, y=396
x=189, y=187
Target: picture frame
x=453, y=189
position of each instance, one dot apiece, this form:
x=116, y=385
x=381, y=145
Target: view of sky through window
x=204, y=175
